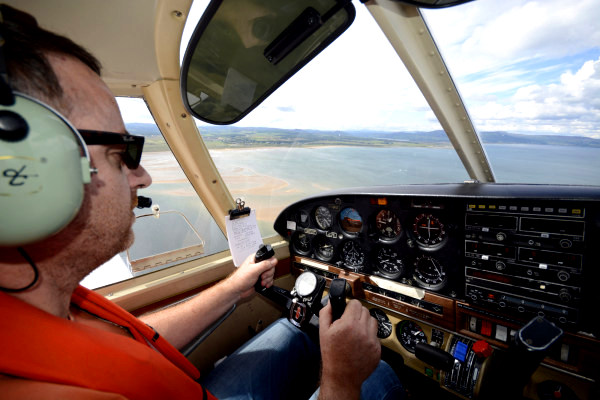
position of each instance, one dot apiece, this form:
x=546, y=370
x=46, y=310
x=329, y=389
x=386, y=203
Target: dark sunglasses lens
x=133, y=154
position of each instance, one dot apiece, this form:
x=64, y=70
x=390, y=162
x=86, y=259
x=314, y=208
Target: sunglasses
x=133, y=144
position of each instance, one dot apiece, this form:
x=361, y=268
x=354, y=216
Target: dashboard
x=462, y=268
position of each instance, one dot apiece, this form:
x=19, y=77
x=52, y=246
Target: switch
x=564, y=353
x=473, y=324
x=501, y=333
x=486, y=328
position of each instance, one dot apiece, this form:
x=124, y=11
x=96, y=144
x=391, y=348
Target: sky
x=521, y=66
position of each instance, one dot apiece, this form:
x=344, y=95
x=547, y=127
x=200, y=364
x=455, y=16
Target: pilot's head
x=63, y=75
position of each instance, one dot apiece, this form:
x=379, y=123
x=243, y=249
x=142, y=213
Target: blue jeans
x=282, y=362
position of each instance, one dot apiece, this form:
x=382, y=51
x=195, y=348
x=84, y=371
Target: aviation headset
x=44, y=165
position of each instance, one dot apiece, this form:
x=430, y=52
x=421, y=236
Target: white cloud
x=488, y=33
x=568, y=107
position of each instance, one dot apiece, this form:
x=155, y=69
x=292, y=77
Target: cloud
x=570, y=106
x=286, y=109
x=521, y=66
x=488, y=33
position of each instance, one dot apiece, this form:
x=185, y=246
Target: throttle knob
x=482, y=349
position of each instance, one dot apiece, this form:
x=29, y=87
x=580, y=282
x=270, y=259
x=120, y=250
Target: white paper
x=243, y=236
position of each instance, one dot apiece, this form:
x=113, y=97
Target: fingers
x=267, y=278
x=325, y=317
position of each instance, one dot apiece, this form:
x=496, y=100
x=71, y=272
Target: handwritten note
x=243, y=236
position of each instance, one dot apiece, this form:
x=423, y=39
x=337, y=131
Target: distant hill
x=242, y=137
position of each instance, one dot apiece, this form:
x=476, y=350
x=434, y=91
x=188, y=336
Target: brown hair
x=25, y=47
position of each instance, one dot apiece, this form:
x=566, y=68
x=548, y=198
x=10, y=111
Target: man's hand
x=350, y=351
x=244, y=278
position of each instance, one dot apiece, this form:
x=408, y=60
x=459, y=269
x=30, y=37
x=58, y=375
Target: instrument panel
x=449, y=265
x=412, y=241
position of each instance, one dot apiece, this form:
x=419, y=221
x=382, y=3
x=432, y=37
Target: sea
x=270, y=179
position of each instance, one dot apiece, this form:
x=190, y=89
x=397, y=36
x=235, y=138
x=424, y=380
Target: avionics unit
x=525, y=259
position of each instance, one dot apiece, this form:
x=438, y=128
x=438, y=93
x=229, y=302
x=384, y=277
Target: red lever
x=482, y=349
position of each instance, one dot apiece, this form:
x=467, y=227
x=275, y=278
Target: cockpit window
x=529, y=73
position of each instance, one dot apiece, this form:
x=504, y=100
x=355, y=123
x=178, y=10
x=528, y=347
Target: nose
x=139, y=178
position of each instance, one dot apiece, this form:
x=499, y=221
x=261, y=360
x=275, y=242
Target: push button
x=486, y=328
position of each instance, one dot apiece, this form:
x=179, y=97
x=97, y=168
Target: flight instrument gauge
x=429, y=273
x=384, y=326
x=409, y=334
x=428, y=230
x=323, y=248
x=301, y=243
x=323, y=217
x=389, y=263
x=353, y=255
x=388, y=225
x=302, y=219
x=350, y=220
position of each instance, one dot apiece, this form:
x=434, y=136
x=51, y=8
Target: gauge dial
x=301, y=243
x=353, y=255
x=389, y=263
x=305, y=284
x=302, y=219
x=409, y=334
x=323, y=248
x=350, y=220
x=323, y=217
x=429, y=273
x=384, y=326
x=428, y=230
x=388, y=225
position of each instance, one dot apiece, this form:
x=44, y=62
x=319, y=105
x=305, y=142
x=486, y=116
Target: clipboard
x=240, y=211
x=243, y=235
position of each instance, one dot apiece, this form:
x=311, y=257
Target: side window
x=177, y=227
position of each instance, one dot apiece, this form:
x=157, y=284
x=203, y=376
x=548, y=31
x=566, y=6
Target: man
x=63, y=341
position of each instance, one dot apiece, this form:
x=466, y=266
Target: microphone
x=144, y=202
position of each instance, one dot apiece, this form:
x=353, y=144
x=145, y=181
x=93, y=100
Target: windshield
x=529, y=73
x=355, y=117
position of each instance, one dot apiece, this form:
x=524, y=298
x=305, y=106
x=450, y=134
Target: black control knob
x=563, y=276
x=500, y=266
x=564, y=295
x=500, y=236
x=565, y=243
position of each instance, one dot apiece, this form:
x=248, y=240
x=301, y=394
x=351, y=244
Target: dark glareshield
x=242, y=50
x=433, y=3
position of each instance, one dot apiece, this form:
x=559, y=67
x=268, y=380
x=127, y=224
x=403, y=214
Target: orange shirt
x=47, y=357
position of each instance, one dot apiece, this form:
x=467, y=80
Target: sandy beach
x=242, y=181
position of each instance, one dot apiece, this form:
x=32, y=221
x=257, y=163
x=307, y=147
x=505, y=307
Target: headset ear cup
x=42, y=173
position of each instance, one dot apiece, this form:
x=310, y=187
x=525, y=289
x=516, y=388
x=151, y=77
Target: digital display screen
x=492, y=221
x=562, y=227
x=460, y=352
x=550, y=257
x=489, y=276
x=489, y=249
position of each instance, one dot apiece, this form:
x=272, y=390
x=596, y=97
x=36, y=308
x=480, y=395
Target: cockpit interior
x=482, y=287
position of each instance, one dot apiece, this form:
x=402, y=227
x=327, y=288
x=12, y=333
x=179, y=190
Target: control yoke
x=304, y=302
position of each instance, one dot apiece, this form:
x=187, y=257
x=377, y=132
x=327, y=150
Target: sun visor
x=243, y=50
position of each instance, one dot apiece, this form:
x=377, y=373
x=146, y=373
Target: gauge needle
x=435, y=267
